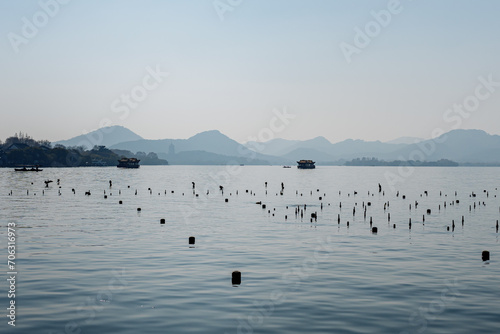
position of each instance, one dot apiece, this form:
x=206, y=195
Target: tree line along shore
x=22, y=150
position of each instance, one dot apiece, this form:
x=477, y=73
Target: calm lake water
x=87, y=264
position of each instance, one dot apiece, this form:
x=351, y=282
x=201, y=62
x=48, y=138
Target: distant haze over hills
x=475, y=146
x=405, y=140
x=213, y=147
x=107, y=136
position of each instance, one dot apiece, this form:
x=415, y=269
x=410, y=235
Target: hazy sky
x=68, y=68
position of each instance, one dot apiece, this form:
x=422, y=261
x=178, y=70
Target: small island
x=417, y=163
x=22, y=150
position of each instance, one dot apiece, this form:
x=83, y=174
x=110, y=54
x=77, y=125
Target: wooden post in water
x=236, y=278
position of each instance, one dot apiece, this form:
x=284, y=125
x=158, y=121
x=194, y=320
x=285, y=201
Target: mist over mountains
x=213, y=147
x=107, y=136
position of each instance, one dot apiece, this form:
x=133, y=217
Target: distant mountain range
x=213, y=147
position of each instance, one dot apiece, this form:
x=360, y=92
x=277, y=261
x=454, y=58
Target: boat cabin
x=306, y=164
x=128, y=163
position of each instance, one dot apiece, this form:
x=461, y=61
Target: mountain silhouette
x=213, y=147
x=475, y=146
x=107, y=136
x=209, y=141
